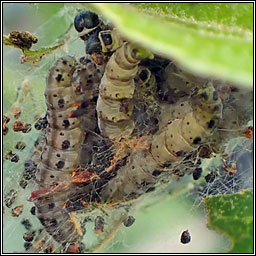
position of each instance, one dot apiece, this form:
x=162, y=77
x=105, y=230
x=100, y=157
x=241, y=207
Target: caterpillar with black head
x=60, y=153
x=115, y=105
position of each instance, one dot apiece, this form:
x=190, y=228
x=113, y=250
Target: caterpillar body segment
x=174, y=81
x=68, y=139
x=110, y=88
x=60, y=153
x=121, y=129
x=115, y=105
x=115, y=111
x=60, y=75
x=181, y=136
x=207, y=107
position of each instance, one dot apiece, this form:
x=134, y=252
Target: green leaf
x=208, y=39
x=232, y=215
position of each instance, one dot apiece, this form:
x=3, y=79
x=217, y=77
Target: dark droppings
x=210, y=177
x=27, y=245
x=197, y=173
x=185, y=237
x=30, y=170
x=10, y=197
x=41, y=123
x=33, y=210
x=26, y=223
x=12, y=157
x=23, y=183
x=129, y=221
x=20, y=145
x=99, y=225
x=29, y=236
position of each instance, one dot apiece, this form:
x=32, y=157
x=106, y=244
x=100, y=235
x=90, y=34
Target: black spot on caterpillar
x=114, y=105
x=128, y=221
x=60, y=152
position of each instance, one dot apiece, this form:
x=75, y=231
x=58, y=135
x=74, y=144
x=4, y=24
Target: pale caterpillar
x=71, y=96
x=115, y=106
x=182, y=135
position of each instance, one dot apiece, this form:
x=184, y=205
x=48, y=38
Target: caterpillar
x=114, y=105
x=60, y=153
x=168, y=146
x=183, y=135
x=108, y=41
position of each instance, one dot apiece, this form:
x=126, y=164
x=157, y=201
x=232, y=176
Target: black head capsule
x=110, y=40
x=93, y=44
x=106, y=37
x=144, y=74
x=85, y=22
